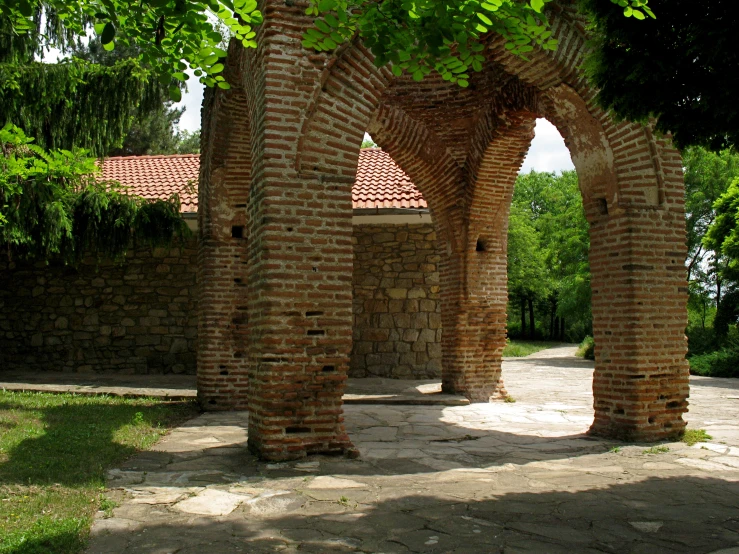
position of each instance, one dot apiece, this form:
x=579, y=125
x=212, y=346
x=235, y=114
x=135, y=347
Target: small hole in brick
x=289, y=229
x=602, y=206
x=328, y=368
x=315, y=269
x=673, y=404
x=211, y=402
x=316, y=332
x=221, y=367
x=662, y=397
x=294, y=430
x=237, y=280
x=480, y=247
x=619, y=411
x=240, y=205
x=224, y=372
x=313, y=314
x=237, y=231
x=650, y=420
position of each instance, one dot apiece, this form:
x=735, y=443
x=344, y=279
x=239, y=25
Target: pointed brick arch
x=305, y=117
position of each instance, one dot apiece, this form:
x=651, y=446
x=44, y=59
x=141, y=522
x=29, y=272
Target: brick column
x=225, y=175
x=300, y=246
x=639, y=292
x=474, y=279
x=633, y=195
x=473, y=308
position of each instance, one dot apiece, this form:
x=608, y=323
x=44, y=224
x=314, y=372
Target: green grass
x=521, y=348
x=693, y=436
x=54, y=451
x=586, y=349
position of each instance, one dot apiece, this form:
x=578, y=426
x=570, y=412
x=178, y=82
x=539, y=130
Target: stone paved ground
x=501, y=477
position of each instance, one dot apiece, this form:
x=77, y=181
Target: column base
x=284, y=449
x=659, y=430
x=481, y=395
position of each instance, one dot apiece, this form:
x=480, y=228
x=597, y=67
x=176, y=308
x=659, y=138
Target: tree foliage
x=53, y=204
x=417, y=36
x=723, y=234
x=76, y=103
x=680, y=68
x=548, y=245
x=171, y=35
x=712, y=221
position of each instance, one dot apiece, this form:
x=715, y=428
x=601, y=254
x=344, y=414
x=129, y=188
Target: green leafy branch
x=424, y=36
x=52, y=204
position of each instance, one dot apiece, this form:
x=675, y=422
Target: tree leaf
x=108, y=33
x=175, y=94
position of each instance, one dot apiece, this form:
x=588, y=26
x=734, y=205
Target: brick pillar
x=473, y=311
x=474, y=280
x=634, y=201
x=225, y=174
x=300, y=245
x=639, y=293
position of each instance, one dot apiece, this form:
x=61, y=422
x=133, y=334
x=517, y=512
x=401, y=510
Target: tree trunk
x=532, y=323
x=718, y=291
x=562, y=329
x=523, y=317
x=553, y=322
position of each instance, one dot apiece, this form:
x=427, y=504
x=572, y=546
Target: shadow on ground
x=72, y=442
x=655, y=515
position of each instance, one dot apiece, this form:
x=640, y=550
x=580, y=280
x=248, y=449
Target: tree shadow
x=80, y=440
x=471, y=515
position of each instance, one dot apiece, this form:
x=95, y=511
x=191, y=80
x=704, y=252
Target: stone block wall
x=135, y=317
x=397, y=310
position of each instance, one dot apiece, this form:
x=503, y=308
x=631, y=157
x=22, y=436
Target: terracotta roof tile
x=157, y=176
x=380, y=182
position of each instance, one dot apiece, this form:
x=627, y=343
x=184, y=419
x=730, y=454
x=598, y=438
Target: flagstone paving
x=500, y=477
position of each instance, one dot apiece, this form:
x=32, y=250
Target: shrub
x=587, y=349
x=721, y=363
x=700, y=340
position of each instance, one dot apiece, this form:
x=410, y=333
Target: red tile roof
x=380, y=182
x=157, y=176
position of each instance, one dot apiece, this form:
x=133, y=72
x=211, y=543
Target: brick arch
x=347, y=94
x=423, y=157
x=307, y=114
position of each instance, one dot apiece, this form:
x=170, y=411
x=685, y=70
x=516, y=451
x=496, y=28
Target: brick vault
x=279, y=157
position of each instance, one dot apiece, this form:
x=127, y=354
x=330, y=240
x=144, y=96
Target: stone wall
x=141, y=316
x=397, y=310
x=134, y=317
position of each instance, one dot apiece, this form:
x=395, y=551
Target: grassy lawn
x=54, y=451
x=521, y=348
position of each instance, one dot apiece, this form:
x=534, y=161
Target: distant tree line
x=549, y=275
x=548, y=270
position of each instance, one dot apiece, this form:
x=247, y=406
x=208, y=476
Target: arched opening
x=548, y=271
x=396, y=295
x=463, y=149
